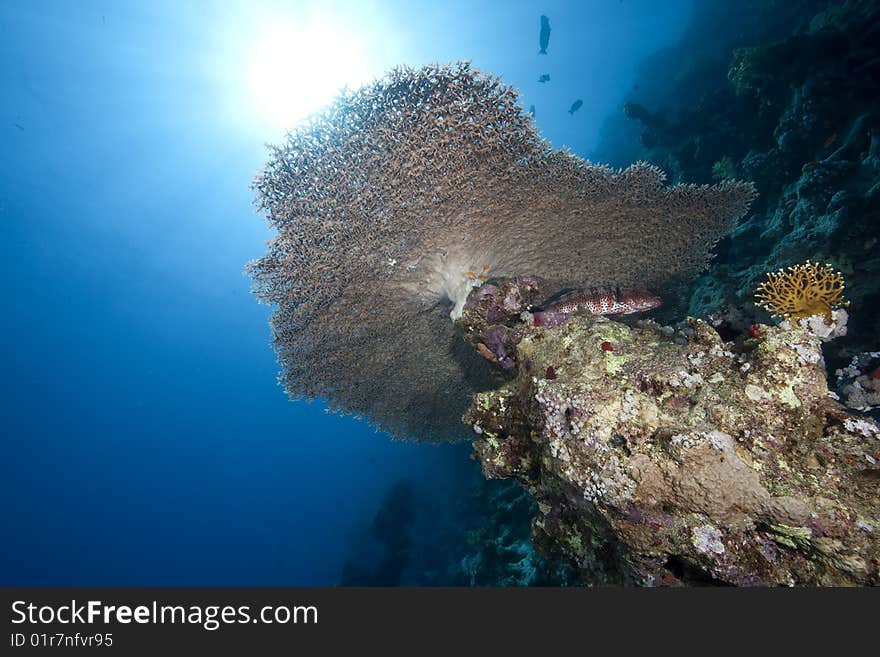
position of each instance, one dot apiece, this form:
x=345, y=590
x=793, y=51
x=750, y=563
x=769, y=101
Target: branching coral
x=802, y=291
x=391, y=205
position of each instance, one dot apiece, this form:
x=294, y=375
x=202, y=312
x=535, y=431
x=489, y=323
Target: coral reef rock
x=658, y=460
x=786, y=95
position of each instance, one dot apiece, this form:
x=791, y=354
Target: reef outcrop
x=667, y=456
x=786, y=96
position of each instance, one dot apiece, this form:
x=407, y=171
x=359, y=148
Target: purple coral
x=496, y=341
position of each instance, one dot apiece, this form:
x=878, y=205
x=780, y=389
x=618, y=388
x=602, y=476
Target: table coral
x=400, y=198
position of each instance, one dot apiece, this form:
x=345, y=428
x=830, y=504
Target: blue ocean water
x=145, y=441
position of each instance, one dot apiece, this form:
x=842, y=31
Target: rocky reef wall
x=668, y=456
x=786, y=96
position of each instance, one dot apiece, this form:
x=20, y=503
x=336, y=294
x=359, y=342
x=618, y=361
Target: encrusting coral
x=656, y=460
x=802, y=291
x=392, y=204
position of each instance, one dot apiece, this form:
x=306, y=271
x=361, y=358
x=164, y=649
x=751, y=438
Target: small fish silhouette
x=830, y=140
x=575, y=106
x=544, y=78
x=545, y=34
x=532, y=111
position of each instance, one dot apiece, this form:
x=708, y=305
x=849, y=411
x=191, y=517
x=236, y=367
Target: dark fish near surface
x=544, y=78
x=575, y=106
x=545, y=34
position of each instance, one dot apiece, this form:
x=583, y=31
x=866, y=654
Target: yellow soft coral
x=802, y=291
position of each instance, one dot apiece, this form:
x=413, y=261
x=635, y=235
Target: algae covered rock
x=672, y=457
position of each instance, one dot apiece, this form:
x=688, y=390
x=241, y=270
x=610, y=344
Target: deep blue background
x=145, y=441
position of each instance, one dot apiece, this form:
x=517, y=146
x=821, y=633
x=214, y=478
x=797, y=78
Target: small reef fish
x=616, y=302
x=545, y=77
x=532, y=111
x=545, y=34
x=575, y=106
x=478, y=277
x=830, y=140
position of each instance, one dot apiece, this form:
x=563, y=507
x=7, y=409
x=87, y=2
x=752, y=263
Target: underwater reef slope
x=402, y=196
x=792, y=103
x=670, y=457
